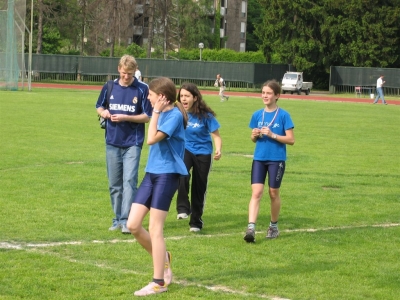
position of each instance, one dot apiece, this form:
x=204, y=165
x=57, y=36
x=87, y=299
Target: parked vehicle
x=293, y=82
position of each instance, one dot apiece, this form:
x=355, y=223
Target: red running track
x=312, y=97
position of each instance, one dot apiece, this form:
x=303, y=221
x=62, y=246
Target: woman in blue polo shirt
x=166, y=137
x=202, y=125
x=272, y=130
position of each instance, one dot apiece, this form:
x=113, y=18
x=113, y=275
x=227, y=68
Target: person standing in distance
x=125, y=112
x=220, y=82
x=202, y=125
x=166, y=137
x=379, y=90
x=271, y=130
x=138, y=74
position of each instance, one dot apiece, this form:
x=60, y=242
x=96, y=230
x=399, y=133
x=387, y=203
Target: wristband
x=156, y=111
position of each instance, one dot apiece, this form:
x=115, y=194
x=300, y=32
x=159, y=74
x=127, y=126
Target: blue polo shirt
x=130, y=100
x=161, y=160
x=197, y=134
x=266, y=147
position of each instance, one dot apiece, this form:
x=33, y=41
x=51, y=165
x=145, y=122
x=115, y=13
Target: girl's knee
x=133, y=228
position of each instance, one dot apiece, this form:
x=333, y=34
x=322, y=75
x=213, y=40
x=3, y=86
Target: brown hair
x=200, y=107
x=274, y=86
x=166, y=87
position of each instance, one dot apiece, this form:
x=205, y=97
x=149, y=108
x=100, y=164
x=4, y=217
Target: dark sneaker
x=250, y=235
x=272, y=232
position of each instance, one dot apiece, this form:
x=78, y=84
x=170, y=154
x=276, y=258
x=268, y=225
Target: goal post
x=13, y=73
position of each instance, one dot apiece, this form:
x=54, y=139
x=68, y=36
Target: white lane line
x=21, y=246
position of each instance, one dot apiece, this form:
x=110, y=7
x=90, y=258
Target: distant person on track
x=220, y=82
x=271, y=130
x=379, y=90
x=125, y=112
x=202, y=126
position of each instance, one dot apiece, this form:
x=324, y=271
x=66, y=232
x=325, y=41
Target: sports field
x=340, y=225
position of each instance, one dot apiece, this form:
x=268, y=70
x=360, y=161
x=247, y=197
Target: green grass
x=339, y=195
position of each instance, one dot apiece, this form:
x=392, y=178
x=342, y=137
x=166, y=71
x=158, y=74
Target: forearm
x=217, y=143
x=142, y=118
x=284, y=139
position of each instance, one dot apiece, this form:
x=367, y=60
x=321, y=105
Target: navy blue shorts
x=157, y=190
x=275, y=170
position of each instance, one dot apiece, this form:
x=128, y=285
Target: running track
x=314, y=97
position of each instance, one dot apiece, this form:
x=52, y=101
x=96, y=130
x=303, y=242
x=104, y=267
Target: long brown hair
x=200, y=107
x=166, y=87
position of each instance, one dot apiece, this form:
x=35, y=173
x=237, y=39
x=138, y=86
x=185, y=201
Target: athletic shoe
x=151, y=289
x=194, y=229
x=250, y=235
x=272, y=232
x=182, y=216
x=167, y=268
x=125, y=229
x=114, y=227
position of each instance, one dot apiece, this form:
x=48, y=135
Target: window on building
x=242, y=30
x=242, y=47
x=243, y=9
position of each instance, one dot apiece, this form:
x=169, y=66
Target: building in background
x=161, y=18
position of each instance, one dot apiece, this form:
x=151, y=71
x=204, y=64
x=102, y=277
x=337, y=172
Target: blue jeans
x=379, y=90
x=122, y=172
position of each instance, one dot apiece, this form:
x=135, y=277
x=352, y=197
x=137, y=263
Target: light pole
x=201, y=46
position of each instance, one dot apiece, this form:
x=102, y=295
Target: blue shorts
x=275, y=170
x=157, y=190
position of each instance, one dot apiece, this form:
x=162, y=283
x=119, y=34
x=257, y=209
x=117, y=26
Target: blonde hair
x=166, y=87
x=128, y=62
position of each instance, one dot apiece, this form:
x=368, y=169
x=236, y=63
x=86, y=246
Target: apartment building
x=232, y=22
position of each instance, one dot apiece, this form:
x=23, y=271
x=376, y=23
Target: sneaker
x=151, y=289
x=182, y=216
x=167, y=269
x=250, y=235
x=194, y=229
x=272, y=232
x=125, y=229
x=114, y=227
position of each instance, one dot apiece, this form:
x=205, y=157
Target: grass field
x=340, y=224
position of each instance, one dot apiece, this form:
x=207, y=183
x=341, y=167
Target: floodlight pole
x=30, y=52
x=201, y=46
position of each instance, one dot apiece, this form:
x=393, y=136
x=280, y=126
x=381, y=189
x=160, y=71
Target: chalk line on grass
x=22, y=246
x=39, y=248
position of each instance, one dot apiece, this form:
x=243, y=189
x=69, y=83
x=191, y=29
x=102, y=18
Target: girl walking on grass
x=202, y=125
x=166, y=137
x=271, y=129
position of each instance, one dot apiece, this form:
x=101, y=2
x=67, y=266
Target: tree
x=313, y=35
x=253, y=17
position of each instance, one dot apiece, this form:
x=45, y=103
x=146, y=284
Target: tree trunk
x=40, y=28
x=151, y=28
x=113, y=30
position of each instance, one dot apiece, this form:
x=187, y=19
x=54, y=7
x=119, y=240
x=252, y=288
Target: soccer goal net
x=12, y=44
